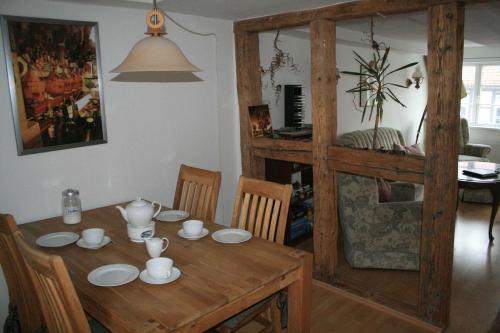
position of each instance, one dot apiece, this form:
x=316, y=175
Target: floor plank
x=475, y=290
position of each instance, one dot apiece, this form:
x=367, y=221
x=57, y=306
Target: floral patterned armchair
x=377, y=235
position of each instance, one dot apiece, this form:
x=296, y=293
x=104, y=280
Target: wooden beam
x=324, y=119
x=283, y=155
x=249, y=93
x=445, y=48
x=283, y=150
x=343, y=11
x=405, y=168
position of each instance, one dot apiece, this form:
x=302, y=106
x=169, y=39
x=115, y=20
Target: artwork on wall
x=55, y=83
x=260, y=121
x=364, y=96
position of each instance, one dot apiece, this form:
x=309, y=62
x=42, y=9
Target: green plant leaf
x=394, y=98
x=368, y=69
x=384, y=58
x=357, y=90
x=371, y=110
x=396, y=85
x=361, y=59
x=402, y=67
x=352, y=73
x=385, y=68
x=364, y=111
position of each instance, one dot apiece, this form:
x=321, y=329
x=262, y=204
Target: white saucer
x=231, y=236
x=113, y=275
x=182, y=234
x=105, y=241
x=144, y=276
x=172, y=215
x=57, y=239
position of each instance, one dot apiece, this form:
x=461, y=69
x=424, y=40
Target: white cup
x=192, y=227
x=159, y=268
x=93, y=236
x=155, y=246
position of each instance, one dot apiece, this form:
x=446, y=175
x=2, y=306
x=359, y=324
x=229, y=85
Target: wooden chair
x=260, y=207
x=197, y=192
x=24, y=309
x=60, y=304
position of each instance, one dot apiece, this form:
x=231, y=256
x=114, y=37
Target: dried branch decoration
x=281, y=59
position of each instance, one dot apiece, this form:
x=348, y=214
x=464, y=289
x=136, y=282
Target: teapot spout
x=124, y=213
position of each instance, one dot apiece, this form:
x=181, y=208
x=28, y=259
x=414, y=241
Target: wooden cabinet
x=301, y=213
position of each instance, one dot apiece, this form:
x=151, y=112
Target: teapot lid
x=138, y=202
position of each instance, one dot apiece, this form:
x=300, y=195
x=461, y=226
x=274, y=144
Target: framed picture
x=260, y=121
x=55, y=83
x=363, y=95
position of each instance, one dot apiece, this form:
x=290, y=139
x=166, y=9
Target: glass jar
x=71, y=206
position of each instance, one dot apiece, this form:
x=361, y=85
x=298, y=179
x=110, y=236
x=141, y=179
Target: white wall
x=349, y=119
x=152, y=127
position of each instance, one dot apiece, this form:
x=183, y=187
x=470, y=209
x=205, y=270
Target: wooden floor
x=332, y=312
x=475, y=297
x=475, y=290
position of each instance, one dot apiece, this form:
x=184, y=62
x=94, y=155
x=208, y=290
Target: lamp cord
x=219, y=143
x=189, y=30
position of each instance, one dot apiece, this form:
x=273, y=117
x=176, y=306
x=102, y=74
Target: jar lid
x=70, y=192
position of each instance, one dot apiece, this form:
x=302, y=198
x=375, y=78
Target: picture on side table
x=260, y=120
x=55, y=83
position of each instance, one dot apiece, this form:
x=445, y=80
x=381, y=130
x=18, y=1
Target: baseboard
x=378, y=306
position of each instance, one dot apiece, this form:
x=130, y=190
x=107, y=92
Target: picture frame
x=260, y=121
x=363, y=95
x=55, y=83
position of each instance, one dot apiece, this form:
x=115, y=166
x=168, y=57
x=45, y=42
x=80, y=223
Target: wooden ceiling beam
x=339, y=12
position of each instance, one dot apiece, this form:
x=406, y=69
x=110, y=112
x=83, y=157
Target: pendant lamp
x=155, y=53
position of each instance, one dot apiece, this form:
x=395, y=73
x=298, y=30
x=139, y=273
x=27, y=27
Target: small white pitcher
x=155, y=246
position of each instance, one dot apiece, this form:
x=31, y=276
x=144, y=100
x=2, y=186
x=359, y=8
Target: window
x=481, y=106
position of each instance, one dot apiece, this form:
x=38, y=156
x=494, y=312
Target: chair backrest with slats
x=261, y=207
x=197, y=192
x=60, y=304
x=21, y=290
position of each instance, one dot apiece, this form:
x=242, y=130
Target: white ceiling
x=224, y=9
x=482, y=26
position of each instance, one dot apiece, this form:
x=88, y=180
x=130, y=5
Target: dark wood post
x=445, y=47
x=324, y=118
x=249, y=93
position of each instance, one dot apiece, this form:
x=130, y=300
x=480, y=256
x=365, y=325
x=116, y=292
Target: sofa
x=378, y=234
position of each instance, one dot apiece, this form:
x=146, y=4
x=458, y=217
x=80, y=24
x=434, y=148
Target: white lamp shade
x=155, y=54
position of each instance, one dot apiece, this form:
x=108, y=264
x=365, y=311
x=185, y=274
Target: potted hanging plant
x=375, y=74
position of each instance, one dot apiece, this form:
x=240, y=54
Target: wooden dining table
x=218, y=280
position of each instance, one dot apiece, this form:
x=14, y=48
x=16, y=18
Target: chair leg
x=12, y=324
x=275, y=316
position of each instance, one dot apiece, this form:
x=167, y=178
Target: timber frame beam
x=437, y=171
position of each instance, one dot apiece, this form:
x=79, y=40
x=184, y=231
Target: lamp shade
x=155, y=54
x=463, y=92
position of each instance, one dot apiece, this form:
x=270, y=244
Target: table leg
x=300, y=298
x=495, y=195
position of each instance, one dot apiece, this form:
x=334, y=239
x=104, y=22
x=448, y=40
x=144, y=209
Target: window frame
x=476, y=97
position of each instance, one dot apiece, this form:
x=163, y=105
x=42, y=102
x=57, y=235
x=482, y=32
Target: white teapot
x=139, y=213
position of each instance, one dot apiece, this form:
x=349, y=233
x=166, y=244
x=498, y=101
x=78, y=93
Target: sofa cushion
x=386, y=138
x=410, y=150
